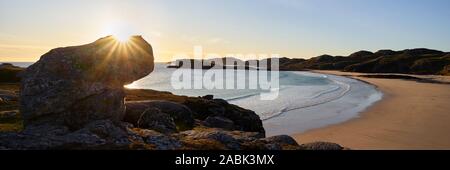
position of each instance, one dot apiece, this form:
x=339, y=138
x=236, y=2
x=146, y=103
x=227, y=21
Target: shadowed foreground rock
x=76, y=85
x=182, y=115
x=321, y=146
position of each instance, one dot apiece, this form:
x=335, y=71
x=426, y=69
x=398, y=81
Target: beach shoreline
x=350, y=98
x=411, y=115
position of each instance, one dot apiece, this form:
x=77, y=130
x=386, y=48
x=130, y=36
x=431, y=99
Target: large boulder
x=281, y=142
x=182, y=115
x=74, y=86
x=158, y=140
x=155, y=119
x=321, y=146
x=214, y=139
x=219, y=122
x=243, y=119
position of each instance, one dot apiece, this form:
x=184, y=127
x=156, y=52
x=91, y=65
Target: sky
x=290, y=28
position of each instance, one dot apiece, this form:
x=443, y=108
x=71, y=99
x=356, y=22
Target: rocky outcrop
x=181, y=115
x=321, y=146
x=155, y=119
x=233, y=140
x=105, y=134
x=208, y=111
x=243, y=119
x=219, y=122
x=8, y=114
x=73, y=98
x=76, y=85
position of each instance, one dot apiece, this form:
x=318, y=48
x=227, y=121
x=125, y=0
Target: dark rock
x=76, y=85
x=45, y=130
x=204, y=108
x=219, y=122
x=114, y=134
x=97, y=134
x=155, y=119
x=182, y=115
x=8, y=96
x=223, y=138
x=282, y=142
x=208, y=97
x=158, y=140
x=42, y=137
x=212, y=138
x=8, y=114
x=281, y=139
x=322, y=146
x=102, y=134
x=243, y=119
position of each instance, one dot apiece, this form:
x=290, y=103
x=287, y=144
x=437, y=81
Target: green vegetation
x=14, y=124
x=9, y=73
x=10, y=124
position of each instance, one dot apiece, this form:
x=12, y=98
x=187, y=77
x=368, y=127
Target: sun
x=122, y=37
x=122, y=32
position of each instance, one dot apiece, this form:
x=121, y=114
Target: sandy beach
x=411, y=115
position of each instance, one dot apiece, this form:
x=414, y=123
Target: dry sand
x=411, y=115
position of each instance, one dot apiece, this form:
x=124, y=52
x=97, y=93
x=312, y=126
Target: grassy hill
x=414, y=61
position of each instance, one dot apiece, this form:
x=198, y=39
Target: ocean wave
x=234, y=98
x=343, y=89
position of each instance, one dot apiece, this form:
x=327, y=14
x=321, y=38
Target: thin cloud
x=7, y=46
x=218, y=41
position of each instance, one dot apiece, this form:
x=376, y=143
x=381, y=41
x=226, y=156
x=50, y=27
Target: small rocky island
x=74, y=98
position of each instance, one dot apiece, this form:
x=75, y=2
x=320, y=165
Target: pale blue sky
x=292, y=28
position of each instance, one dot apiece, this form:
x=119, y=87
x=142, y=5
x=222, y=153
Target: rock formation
x=206, y=108
x=73, y=98
x=181, y=115
x=76, y=85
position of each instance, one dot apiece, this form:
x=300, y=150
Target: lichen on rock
x=79, y=84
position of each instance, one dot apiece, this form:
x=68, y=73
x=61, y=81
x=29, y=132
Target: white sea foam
x=294, y=97
x=305, y=101
x=341, y=105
